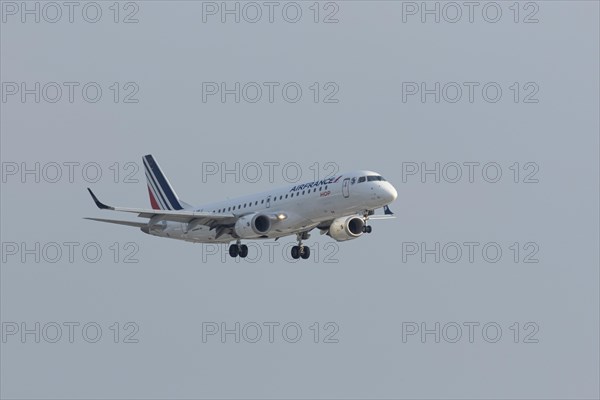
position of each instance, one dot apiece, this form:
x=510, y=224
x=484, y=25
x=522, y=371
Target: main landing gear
x=238, y=249
x=301, y=251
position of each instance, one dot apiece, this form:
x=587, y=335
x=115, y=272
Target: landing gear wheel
x=369, y=228
x=243, y=250
x=305, y=252
x=234, y=250
x=295, y=252
x=300, y=250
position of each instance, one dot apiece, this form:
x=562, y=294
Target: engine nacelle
x=252, y=226
x=346, y=228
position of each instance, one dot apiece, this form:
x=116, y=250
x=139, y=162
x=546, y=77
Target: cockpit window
x=361, y=179
x=375, y=178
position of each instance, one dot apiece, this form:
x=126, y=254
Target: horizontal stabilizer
x=114, y=221
x=211, y=219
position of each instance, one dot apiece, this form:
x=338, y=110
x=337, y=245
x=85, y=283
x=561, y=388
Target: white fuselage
x=294, y=208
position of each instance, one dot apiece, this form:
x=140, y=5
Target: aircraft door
x=268, y=201
x=346, y=188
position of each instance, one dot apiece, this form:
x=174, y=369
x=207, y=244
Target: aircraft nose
x=391, y=192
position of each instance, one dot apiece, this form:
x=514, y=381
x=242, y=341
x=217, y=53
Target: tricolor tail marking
x=162, y=195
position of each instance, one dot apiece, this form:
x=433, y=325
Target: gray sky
x=372, y=290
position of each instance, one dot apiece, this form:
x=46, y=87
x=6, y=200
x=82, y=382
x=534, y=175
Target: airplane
x=339, y=206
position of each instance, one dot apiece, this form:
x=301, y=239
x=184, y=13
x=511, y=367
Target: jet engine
x=346, y=228
x=252, y=226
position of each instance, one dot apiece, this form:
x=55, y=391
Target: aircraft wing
x=200, y=218
x=376, y=217
x=387, y=214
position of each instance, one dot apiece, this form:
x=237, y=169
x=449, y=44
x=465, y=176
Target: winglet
x=387, y=211
x=98, y=202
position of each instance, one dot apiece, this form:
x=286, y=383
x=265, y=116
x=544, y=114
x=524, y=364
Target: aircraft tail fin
x=162, y=195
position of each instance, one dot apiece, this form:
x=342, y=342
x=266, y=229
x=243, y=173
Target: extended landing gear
x=301, y=251
x=367, y=228
x=238, y=249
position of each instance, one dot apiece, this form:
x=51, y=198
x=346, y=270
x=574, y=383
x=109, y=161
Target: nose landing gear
x=367, y=228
